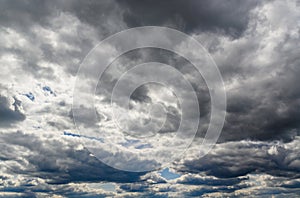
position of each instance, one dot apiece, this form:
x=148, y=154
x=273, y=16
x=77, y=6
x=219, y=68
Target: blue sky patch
x=168, y=175
x=83, y=136
x=30, y=96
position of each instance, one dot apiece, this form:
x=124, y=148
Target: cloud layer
x=256, y=47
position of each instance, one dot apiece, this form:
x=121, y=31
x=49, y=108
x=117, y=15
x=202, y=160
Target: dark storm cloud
x=254, y=114
x=234, y=159
x=23, y=14
x=263, y=104
x=57, y=162
x=266, y=107
x=104, y=17
x=8, y=114
x=140, y=94
x=230, y=17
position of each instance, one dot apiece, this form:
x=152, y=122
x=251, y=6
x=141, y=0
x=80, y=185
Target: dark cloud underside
x=255, y=44
x=229, y=17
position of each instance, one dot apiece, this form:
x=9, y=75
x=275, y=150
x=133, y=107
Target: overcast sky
x=255, y=45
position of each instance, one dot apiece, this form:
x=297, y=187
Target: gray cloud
x=234, y=159
x=56, y=161
x=76, y=25
x=230, y=17
x=255, y=45
x=10, y=112
x=140, y=94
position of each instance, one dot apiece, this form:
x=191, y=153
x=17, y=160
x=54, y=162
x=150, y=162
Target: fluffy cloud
x=191, y=16
x=233, y=159
x=255, y=45
x=41, y=162
x=260, y=70
x=10, y=111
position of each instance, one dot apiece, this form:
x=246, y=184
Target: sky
x=58, y=141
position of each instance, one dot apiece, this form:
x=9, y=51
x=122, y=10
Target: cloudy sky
x=43, y=153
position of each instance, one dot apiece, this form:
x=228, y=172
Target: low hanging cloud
x=261, y=71
x=235, y=159
x=254, y=44
x=230, y=17
x=56, y=160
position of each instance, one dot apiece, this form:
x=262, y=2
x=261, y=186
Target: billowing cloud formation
x=261, y=72
x=230, y=17
x=226, y=161
x=10, y=112
x=256, y=46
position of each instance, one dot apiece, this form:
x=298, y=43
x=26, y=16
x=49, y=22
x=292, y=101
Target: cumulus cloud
x=260, y=70
x=54, y=160
x=226, y=161
x=255, y=45
x=230, y=17
x=10, y=111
